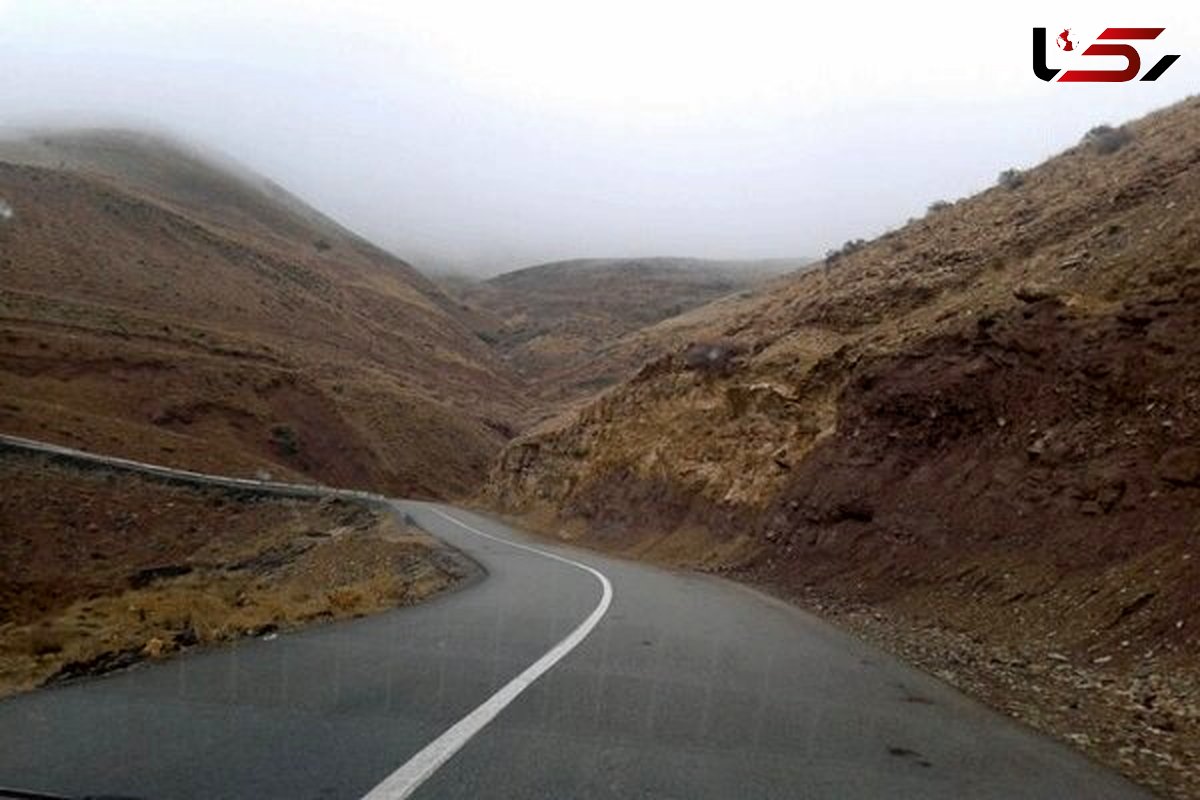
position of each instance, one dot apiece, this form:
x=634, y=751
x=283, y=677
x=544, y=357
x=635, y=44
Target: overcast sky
x=496, y=134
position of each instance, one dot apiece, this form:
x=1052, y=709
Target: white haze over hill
x=496, y=134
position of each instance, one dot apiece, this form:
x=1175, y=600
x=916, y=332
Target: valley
x=559, y=325
x=974, y=439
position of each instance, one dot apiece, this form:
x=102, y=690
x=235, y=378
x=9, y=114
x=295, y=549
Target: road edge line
x=420, y=767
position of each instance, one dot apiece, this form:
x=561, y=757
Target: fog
x=486, y=136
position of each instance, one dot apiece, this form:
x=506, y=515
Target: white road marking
x=404, y=781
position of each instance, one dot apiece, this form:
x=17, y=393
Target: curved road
x=562, y=674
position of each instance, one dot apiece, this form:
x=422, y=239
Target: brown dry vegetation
x=982, y=426
x=157, y=305
x=100, y=568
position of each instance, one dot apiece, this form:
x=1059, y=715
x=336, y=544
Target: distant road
x=562, y=674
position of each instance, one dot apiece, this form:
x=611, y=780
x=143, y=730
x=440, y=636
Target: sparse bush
x=850, y=246
x=284, y=439
x=322, y=245
x=938, y=205
x=1105, y=139
x=711, y=358
x=1011, y=179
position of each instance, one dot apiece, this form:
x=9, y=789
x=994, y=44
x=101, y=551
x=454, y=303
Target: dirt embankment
x=101, y=568
x=1022, y=499
x=1013, y=505
x=975, y=439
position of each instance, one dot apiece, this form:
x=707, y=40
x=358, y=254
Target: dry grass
x=104, y=568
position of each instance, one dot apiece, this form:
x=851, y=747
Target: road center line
x=405, y=780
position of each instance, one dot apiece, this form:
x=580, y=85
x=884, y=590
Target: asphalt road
x=686, y=687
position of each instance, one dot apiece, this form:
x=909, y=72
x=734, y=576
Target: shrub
x=1106, y=139
x=713, y=358
x=1011, y=179
x=850, y=246
x=284, y=439
x=938, y=205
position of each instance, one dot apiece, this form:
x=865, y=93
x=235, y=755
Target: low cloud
x=488, y=136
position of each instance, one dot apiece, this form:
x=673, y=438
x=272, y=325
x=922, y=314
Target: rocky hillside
x=168, y=306
x=558, y=324
x=988, y=420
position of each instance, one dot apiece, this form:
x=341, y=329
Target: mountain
x=987, y=420
x=557, y=323
x=165, y=304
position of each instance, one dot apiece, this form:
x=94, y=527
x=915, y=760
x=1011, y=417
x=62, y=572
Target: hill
x=556, y=323
x=986, y=423
x=163, y=304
